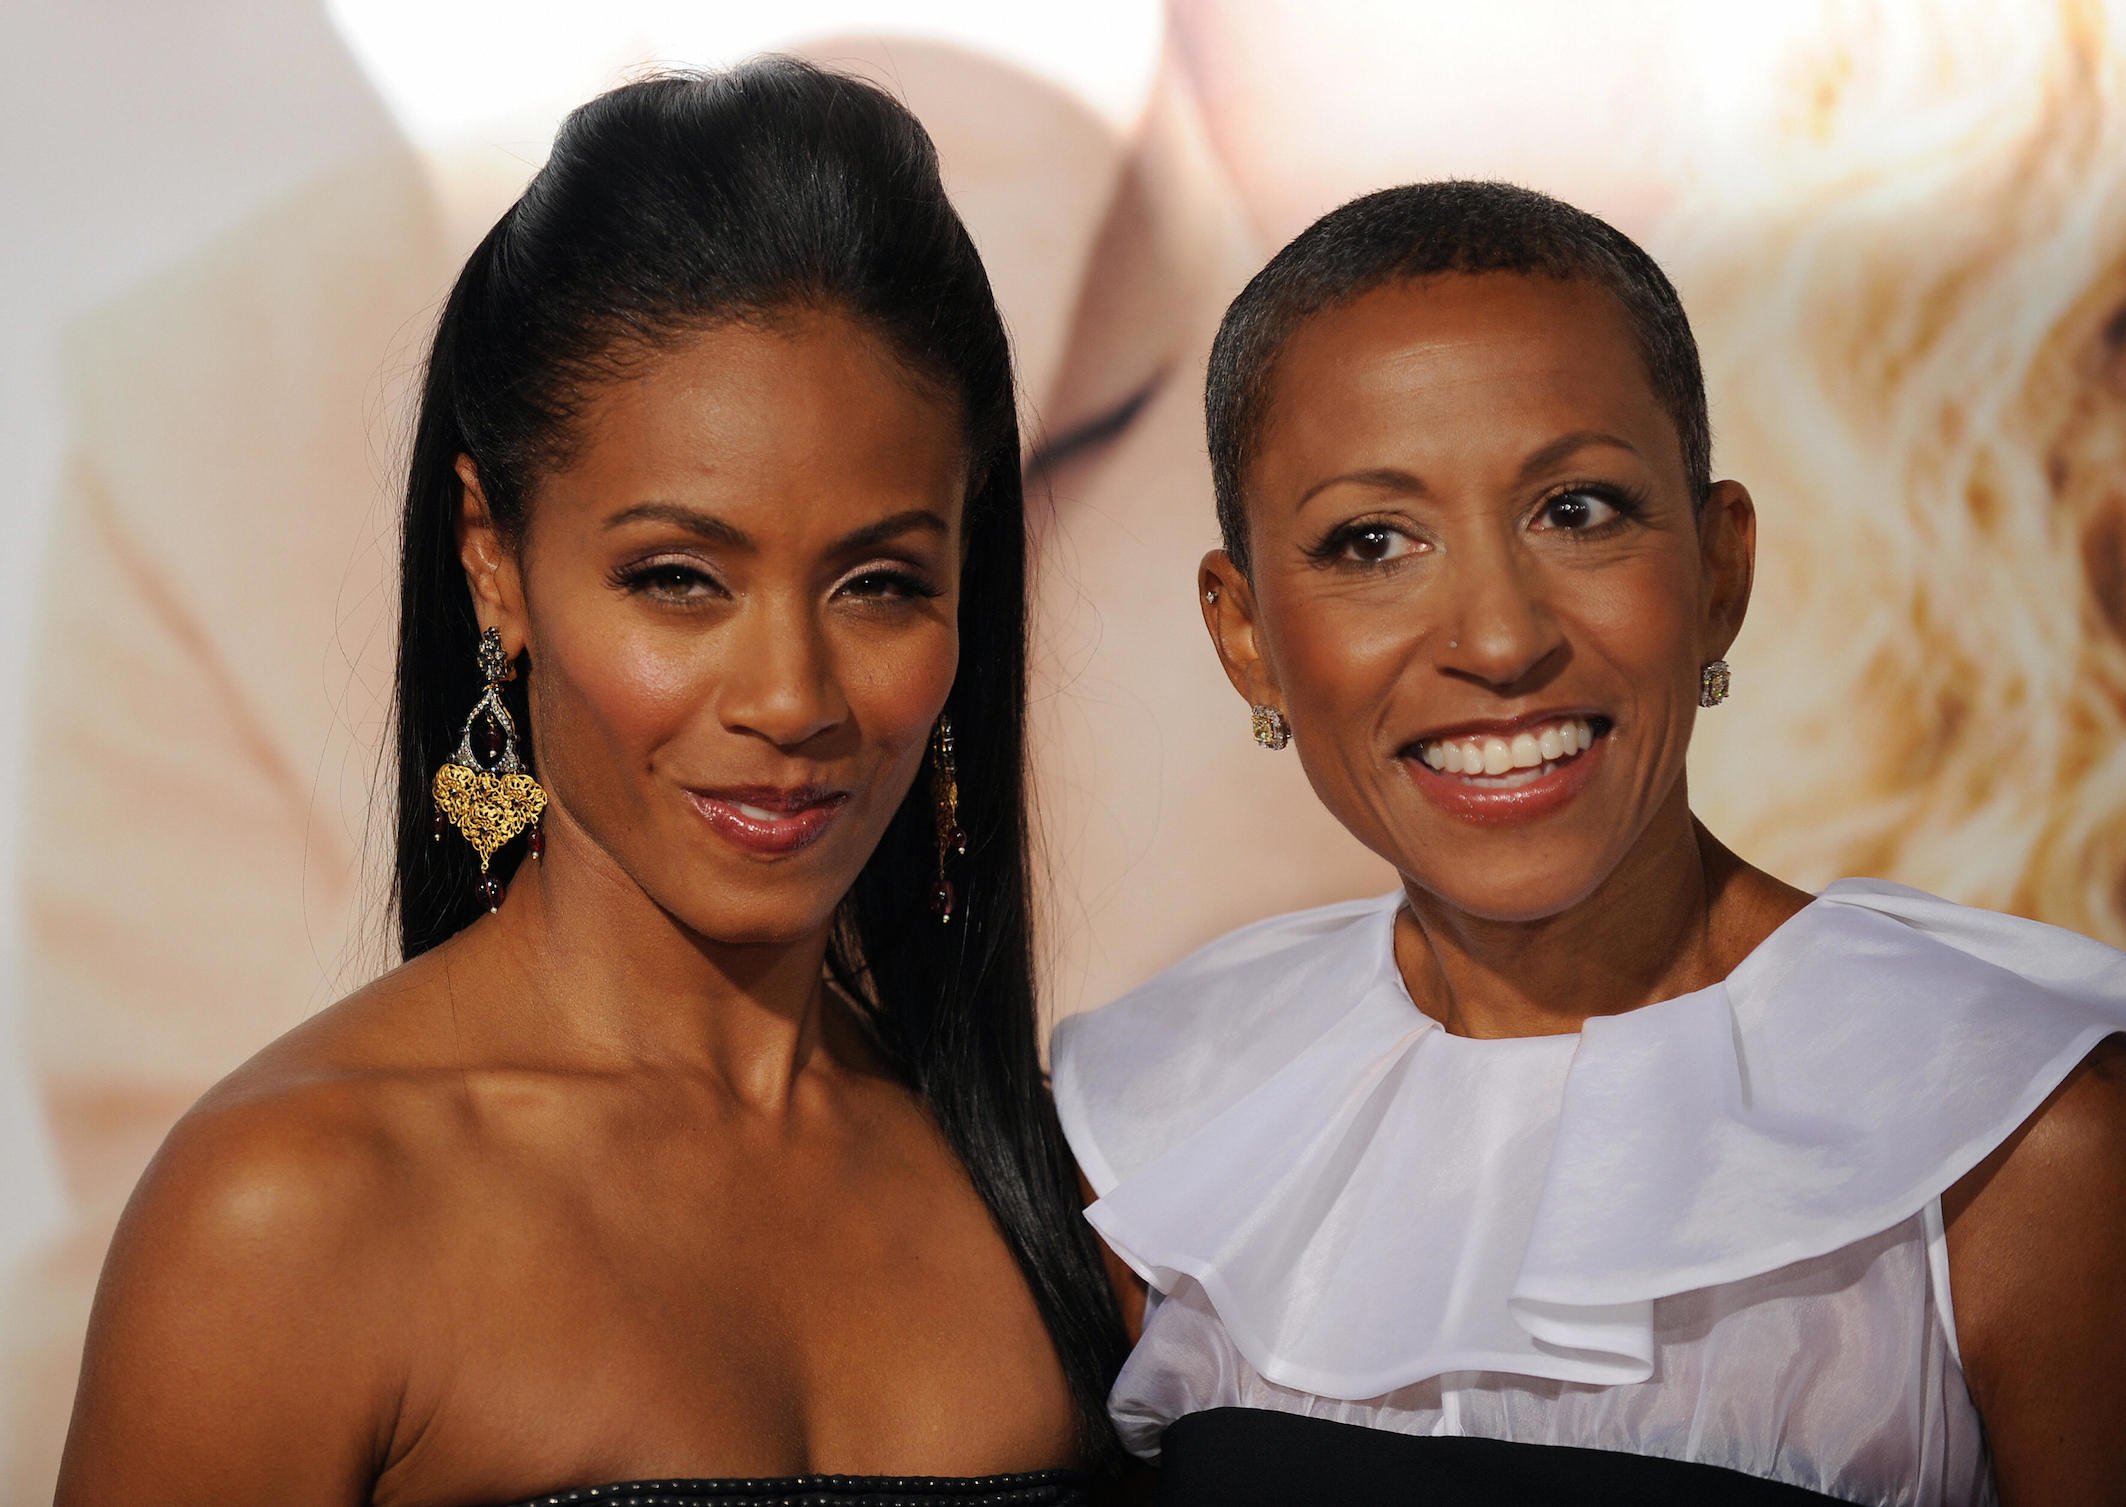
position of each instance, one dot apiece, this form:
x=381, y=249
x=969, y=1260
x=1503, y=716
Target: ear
x=1727, y=543
x=1228, y=601
x=491, y=569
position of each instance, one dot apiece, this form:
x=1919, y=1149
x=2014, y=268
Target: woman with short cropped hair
x=1593, y=1164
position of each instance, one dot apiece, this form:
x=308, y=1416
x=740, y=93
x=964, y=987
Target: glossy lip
x=803, y=815
x=1524, y=803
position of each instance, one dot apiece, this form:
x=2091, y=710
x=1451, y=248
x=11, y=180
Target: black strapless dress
x=1253, y=1457
x=1040, y=1488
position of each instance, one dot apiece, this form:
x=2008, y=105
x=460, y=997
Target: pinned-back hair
x=1422, y=230
x=670, y=205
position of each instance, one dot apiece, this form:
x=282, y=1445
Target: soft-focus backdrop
x=1900, y=228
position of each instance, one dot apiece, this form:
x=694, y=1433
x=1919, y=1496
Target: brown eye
x=1577, y=512
x=1374, y=544
x=672, y=582
x=889, y=586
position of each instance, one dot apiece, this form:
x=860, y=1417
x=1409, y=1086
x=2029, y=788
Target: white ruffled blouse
x=1707, y=1229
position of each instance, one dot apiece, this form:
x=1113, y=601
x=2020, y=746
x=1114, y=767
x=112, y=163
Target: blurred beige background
x=1900, y=228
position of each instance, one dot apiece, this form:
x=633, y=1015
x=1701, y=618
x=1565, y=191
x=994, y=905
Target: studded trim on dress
x=1043, y=1488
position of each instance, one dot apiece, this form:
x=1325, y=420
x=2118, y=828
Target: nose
x=1499, y=630
x=780, y=681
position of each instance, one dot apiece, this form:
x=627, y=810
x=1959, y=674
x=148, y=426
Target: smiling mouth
x=768, y=823
x=1508, y=761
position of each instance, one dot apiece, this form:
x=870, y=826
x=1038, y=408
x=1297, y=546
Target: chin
x=768, y=916
x=1519, y=908
x=1514, y=893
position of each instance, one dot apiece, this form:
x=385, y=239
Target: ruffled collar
x=1368, y=1200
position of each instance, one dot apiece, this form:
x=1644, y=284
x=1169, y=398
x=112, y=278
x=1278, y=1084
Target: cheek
x=1640, y=616
x=607, y=697
x=1341, y=664
x=1336, y=655
x=896, y=684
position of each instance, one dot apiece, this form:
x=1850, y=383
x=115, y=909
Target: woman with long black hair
x=699, y=1150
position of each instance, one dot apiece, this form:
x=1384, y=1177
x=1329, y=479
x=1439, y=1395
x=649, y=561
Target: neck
x=601, y=976
x=1656, y=927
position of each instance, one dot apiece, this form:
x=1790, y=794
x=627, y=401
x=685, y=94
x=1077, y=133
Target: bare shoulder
x=250, y=1328
x=2073, y=1146
x=321, y=1132
x=287, y=1177
x=2037, y=1255
x=274, y=1158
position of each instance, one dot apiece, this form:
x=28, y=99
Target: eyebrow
x=709, y=526
x=1394, y=479
x=693, y=520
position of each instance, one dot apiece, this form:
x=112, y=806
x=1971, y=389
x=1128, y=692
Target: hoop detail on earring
x=945, y=796
x=483, y=789
x=1714, y=682
x=1271, y=730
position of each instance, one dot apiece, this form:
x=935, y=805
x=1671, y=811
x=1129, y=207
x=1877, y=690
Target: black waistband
x=1254, y=1457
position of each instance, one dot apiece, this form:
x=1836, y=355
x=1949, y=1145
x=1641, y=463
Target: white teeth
x=755, y=813
x=1488, y=758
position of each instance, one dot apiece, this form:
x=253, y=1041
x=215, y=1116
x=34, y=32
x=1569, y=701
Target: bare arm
x=1138, y=1481
x=2037, y=1257
x=1129, y=1288
x=236, y=1354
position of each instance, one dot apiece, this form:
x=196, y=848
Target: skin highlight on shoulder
x=2037, y=1247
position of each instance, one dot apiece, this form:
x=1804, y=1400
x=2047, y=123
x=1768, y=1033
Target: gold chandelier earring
x=945, y=797
x=483, y=789
x=1271, y=730
x=1714, y=682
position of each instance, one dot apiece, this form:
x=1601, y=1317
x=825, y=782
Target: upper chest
x=673, y=1298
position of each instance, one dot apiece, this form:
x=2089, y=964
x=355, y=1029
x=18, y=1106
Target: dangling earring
x=1713, y=683
x=945, y=795
x=1271, y=730
x=483, y=789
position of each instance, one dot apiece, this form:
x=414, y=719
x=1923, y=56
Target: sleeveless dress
x=1041, y=1488
x=1693, y=1253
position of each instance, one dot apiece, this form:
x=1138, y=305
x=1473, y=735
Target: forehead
x=808, y=408
x=1458, y=365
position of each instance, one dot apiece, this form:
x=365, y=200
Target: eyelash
x=1330, y=549
x=646, y=580
x=906, y=584
x=1628, y=503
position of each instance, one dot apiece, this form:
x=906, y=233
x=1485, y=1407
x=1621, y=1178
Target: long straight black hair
x=683, y=201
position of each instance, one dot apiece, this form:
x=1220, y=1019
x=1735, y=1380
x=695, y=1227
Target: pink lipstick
x=1498, y=772
x=768, y=821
